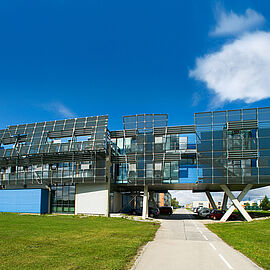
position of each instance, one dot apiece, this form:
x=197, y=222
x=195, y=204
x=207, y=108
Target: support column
x=145, y=203
x=49, y=200
x=117, y=202
x=107, y=199
x=108, y=165
x=225, y=201
x=211, y=200
x=236, y=203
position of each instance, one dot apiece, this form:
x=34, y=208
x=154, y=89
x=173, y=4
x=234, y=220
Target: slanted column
x=211, y=200
x=236, y=203
x=224, y=202
x=145, y=203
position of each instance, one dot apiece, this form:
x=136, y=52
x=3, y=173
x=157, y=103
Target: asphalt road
x=183, y=242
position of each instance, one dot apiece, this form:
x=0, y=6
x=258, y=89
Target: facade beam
x=236, y=203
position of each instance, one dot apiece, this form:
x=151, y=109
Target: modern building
x=162, y=199
x=86, y=168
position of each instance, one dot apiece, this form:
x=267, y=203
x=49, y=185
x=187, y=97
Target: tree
x=246, y=204
x=265, y=204
x=254, y=204
x=174, y=203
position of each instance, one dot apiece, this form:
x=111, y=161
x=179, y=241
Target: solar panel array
x=79, y=134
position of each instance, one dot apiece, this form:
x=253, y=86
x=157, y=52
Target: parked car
x=152, y=212
x=218, y=214
x=196, y=209
x=205, y=213
x=201, y=209
x=165, y=210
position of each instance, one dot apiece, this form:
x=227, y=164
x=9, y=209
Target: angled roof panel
x=52, y=136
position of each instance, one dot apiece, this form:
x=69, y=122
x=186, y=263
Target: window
x=158, y=166
x=158, y=139
x=63, y=199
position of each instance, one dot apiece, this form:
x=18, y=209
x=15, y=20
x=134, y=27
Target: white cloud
x=233, y=24
x=59, y=109
x=239, y=71
x=196, y=97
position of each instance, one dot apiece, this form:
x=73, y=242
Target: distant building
x=200, y=204
x=206, y=204
x=163, y=199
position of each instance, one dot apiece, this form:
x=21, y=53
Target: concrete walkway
x=183, y=242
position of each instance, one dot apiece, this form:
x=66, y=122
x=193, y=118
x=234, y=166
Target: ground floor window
x=63, y=199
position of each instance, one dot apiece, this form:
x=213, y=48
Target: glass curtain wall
x=264, y=145
x=140, y=150
x=152, y=156
x=228, y=146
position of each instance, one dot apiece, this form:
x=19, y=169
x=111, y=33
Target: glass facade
x=233, y=146
x=153, y=153
x=223, y=147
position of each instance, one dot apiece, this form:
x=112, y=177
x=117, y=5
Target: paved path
x=183, y=242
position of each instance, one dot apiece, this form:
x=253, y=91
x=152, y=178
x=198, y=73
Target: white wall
x=91, y=199
x=200, y=203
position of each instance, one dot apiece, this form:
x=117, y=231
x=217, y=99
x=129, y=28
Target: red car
x=218, y=214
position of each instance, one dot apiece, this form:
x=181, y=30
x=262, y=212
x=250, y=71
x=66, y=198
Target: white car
x=205, y=213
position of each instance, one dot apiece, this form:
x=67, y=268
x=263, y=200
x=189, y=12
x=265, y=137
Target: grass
x=70, y=242
x=250, y=238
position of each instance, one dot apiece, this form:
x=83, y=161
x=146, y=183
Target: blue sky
x=61, y=59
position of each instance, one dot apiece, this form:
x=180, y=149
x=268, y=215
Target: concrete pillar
x=236, y=203
x=224, y=202
x=49, y=200
x=117, y=202
x=107, y=198
x=108, y=177
x=211, y=200
x=145, y=203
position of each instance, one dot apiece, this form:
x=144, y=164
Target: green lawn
x=251, y=238
x=70, y=242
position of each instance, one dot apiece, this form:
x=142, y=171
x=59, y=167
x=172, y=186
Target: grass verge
x=70, y=242
x=250, y=238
